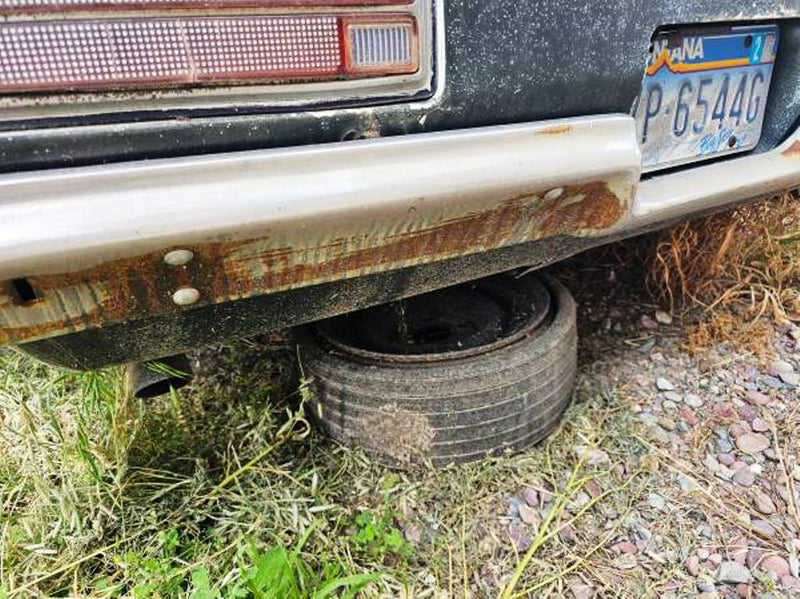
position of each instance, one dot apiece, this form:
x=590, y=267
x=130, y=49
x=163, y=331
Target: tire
x=496, y=387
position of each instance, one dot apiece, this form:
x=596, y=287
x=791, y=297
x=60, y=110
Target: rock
x=737, y=550
x=580, y=590
x=626, y=561
x=703, y=553
x=775, y=565
x=578, y=501
x=663, y=318
x=796, y=473
x=756, y=398
x=693, y=401
x=593, y=488
x=648, y=323
x=752, y=443
x=791, y=378
x=412, y=533
x=763, y=502
x=743, y=590
x=772, y=382
x=688, y=416
x=673, y=396
x=708, y=590
x=744, y=478
x=764, y=527
x=656, y=501
x=568, y=535
x=519, y=538
x=760, y=425
x=753, y=556
x=733, y=573
x=687, y=484
x=647, y=346
x=667, y=424
x=624, y=547
x=724, y=412
x=715, y=559
x=724, y=446
x=693, y=565
x=747, y=411
x=779, y=367
x=791, y=584
x=530, y=496
x=739, y=428
x=726, y=459
x=663, y=384
x=529, y=515
x=711, y=463
x=668, y=404
x=591, y=455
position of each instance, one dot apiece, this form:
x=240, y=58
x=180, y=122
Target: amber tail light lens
x=145, y=53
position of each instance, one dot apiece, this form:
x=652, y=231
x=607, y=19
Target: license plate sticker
x=704, y=93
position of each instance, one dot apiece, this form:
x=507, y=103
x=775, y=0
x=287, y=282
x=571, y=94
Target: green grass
x=227, y=491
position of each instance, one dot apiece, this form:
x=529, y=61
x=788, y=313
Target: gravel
x=663, y=384
x=744, y=478
x=763, y=502
x=692, y=400
x=775, y=565
x=656, y=501
x=733, y=572
x=752, y=443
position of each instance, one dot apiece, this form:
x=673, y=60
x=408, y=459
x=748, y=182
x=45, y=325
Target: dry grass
x=739, y=266
x=746, y=259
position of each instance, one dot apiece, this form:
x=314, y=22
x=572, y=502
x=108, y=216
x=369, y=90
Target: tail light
x=85, y=47
x=44, y=6
x=150, y=53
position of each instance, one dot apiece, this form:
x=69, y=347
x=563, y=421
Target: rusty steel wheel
x=447, y=377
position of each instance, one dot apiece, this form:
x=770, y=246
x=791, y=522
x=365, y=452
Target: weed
x=747, y=257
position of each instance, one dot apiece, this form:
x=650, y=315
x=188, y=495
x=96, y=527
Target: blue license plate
x=704, y=93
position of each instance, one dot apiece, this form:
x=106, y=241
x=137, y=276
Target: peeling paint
x=556, y=130
x=793, y=150
x=142, y=286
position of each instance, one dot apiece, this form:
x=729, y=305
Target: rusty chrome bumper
x=108, y=244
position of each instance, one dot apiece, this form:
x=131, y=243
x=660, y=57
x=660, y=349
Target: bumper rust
x=91, y=242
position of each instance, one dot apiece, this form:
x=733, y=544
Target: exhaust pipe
x=157, y=377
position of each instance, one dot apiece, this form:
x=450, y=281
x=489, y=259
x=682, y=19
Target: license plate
x=704, y=93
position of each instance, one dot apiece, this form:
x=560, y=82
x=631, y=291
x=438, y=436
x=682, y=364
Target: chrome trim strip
x=72, y=219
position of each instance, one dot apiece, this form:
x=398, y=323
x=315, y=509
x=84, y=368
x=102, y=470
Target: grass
x=226, y=491
x=738, y=266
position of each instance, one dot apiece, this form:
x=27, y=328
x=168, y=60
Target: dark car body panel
x=507, y=61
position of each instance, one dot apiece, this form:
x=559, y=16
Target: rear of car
x=176, y=172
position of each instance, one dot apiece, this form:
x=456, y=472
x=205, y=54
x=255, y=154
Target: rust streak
x=555, y=130
x=141, y=286
x=793, y=150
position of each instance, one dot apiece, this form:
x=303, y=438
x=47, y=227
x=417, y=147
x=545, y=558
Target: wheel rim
x=457, y=322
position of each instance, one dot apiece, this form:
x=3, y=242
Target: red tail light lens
x=41, y=6
x=89, y=55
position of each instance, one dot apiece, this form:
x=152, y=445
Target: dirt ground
x=675, y=473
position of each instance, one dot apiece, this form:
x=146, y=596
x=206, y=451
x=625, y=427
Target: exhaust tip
x=156, y=377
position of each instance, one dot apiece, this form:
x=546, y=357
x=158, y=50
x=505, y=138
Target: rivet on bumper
x=186, y=296
x=179, y=257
